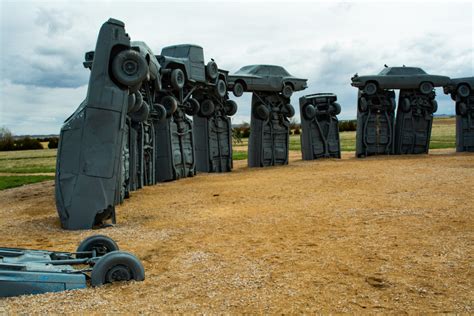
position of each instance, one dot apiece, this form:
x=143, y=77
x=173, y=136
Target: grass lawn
x=7, y=182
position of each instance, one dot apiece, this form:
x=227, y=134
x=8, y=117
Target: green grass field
x=29, y=166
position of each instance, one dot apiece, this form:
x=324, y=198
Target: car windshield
x=398, y=71
x=176, y=51
x=246, y=70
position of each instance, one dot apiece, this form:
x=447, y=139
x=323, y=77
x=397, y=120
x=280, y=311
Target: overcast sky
x=43, y=44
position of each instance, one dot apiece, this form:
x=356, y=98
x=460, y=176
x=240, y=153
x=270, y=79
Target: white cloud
x=42, y=45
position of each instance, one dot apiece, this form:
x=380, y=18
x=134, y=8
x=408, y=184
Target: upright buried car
x=89, y=160
x=399, y=78
x=265, y=78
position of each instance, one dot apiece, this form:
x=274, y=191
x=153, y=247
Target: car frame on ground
x=399, y=78
x=265, y=78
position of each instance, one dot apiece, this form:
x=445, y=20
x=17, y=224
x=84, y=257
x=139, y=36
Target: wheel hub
x=130, y=67
x=118, y=273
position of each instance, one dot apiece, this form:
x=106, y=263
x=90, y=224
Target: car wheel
x=161, y=112
x=363, y=105
x=405, y=105
x=230, y=107
x=207, y=108
x=393, y=104
x=426, y=87
x=177, y=79
x=434, y=104
x=99, y=243
x=261, y=112
x=238, y=89
x=463, y=90
x=171, y=105
x=336, y=108
x=142, y=114
x=192, y=107
x=212, y=70
x=138, y=102
x=129, y=68
x=131, y=102
x=289, y=110
x=309, y=111
x=287, y=91
x=370, y=88
x=462, y=109
x=221, y=88
x=117, y=266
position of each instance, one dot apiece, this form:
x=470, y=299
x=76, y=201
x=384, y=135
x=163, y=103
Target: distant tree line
x=8, y=142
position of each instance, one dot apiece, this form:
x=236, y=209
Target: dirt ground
x=382, y=234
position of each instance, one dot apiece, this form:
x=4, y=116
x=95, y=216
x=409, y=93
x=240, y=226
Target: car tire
x=221, y=88
x=370, y=88
x=100, y=243
x=117, y=266
x=261, y=112
x=287, y=91
x=363, y=105
x=463, y=90
x=142, y=114
x=192, y=107
x=230, y=107
x=238, y=89
x=129, y=68
x=138, y=102
x=212, y=70
x=434, y=105
x=309, y=111
x=405, y=105
x=178, y=79
x=131, y=102
x=426, y=87
x=462, y=108
x=336, y=108
x=207, y=108
x=393, y=104
x=161, y=112
x=289, y=110
x=170, y=104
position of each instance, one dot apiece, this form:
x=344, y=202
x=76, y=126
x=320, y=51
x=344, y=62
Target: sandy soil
x=383, y=234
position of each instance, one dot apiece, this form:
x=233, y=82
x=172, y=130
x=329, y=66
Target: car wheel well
x=242, y=82
x=289, y=84
x=173, y=66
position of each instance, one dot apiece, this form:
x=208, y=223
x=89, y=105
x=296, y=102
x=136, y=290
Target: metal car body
x=265, y=78
x=399, y=78
x=454, y=84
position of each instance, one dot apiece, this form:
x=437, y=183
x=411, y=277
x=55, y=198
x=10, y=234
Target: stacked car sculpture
x=134, y=127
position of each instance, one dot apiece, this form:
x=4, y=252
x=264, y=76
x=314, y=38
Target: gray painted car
x=461, y=86
x=264, y=78
x=399, y=78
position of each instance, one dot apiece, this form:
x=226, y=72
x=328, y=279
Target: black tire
x=135, y=88
x=393, y=105
x=463, y=90
x=192, y=107
x=129, y=68
x=178, y=79
x=171, y=105
x=405, y=105
x=100, y=243
x=287, y=91
x=453, y=96
x=161, y=111
x=289, y=110
x=462, y=108
x=221, y=88
x=309, y=111
x=212, y=70
x=117, y=266
x=230, y=107
x=142, y=114
x=131, y=102
x=207, y=108
x=363, y=105
x=261, y=112
x=238, y=89
x=370, y=88
x=426, y=87
x=434, y=104
x=138, y=102
x=336, y=108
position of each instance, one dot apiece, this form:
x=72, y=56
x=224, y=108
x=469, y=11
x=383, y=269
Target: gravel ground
x=382, y=234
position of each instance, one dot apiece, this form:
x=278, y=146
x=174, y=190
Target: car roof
x=181, y=46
